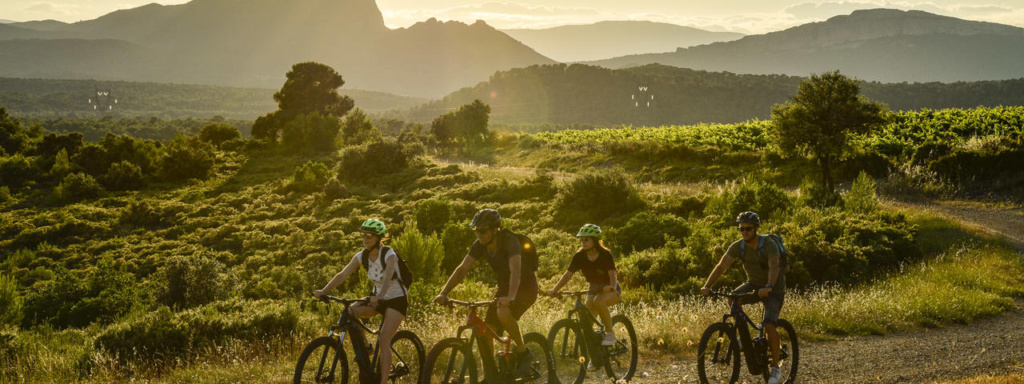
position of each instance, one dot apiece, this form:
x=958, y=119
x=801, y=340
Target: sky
x=746, y=16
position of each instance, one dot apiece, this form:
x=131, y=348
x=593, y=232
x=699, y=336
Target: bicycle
x=574, y=336
x=718, y=360
x=458, y=365
x=330, y=362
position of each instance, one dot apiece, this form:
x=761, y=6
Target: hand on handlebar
x=552, y=293
x=504, y=301
x=441, y=299
x=704, y=291
x=318, y=293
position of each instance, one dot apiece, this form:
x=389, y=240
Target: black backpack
x=528, y=255
x=406, y=278
x=783, y=255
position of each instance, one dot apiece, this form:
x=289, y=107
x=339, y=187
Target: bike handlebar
x=347, y=302
x=580, y=293
x=471, y=304
x=736, y=296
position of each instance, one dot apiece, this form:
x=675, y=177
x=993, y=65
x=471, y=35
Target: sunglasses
x=481, y=231
x=746, y=229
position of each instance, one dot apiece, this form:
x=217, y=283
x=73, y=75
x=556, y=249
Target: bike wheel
x=569, y=349
x=543, y=364
x=322, y=362
x=718, y=355
x=789, y=356
x=450, y=361
x=622, y=356
x=407, y=356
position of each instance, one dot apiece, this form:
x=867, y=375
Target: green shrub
x=310, y=177
x=77, y=187
x=139, y=214
x=61, y=165
x=190, y=281
x=5, y=194
x=378, y=158
x=422, y=252
x=862, y=197
x=123, y=176
x=334, y=190
x=311, y=132
x=358, y=129
x=647, y=230
x=456, y=238
x=218, y=133
x=159, y=335
x=187, y=158
x=101, y=294
x=597, y=197
x=16, y=170
x=433, y=215
x=10, y=301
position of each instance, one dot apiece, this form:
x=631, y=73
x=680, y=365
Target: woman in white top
x=389, y=296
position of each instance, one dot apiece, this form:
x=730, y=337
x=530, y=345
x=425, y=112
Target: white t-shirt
x=376, y=274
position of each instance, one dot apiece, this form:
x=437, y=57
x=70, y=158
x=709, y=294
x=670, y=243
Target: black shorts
x=400, y=304
x=525, y=298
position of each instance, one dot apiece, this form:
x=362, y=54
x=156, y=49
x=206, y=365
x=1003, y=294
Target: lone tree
x=310, y=88
x=820, y=119
x=467, y=124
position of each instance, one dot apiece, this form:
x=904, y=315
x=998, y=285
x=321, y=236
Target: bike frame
x=586, y=321
x=350, y=323
x=742, y=332
x=478, y=328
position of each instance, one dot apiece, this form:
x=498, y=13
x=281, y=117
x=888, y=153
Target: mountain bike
x=325, y=359
x=452, y=360
x=718, y=355
x=576, y=345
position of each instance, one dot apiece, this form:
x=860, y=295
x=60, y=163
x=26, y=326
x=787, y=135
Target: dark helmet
x=486, y=218
x=749, y=218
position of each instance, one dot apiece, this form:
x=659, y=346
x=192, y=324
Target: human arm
x=457, y=275
x=339, y=278
x=565, y=279
x=722, y=266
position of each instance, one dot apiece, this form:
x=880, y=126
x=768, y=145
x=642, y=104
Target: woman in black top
x=597, y=265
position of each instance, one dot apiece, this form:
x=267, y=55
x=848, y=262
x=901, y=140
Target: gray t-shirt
x=757, y=267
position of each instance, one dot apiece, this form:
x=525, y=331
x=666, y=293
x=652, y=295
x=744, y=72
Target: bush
x=101, y=294
x=190, y=281
x=358, y=129
x=187, y=158
x=433, y=215
x=16, y=170
x=456, y=238
x=218, y=133
x=597, y=197
x=313, y=131
x=334, y=190
x=647, y=230
x=77, y=187
x=862, y=197
x=422, y=252
x=159, y=335
x=310, y=177
x=10, y=301
x=378, y=158
x=123, y=176
x=139, y=214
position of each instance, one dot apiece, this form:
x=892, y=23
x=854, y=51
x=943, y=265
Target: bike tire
x=718, y=355
x=622, y=357
x=323, y=350
x=791, y=347
x=543, y=363
x=407, y=357
x=447, y=357
x=569, y=350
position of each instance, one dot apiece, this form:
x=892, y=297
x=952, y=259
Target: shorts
x=400, y=304
x=618, y=290
x=525, y=298
x=772, y=303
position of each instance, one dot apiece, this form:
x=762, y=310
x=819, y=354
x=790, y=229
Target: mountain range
x=571, y=43
x=879, y=44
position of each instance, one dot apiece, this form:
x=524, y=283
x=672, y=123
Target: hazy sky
x=747, y=16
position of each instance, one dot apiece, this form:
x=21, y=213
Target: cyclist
x=389, y=295
x=766, y=278
x=597, y=265
x=517, y=288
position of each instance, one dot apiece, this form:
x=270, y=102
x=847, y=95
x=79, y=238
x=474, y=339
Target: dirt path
x=992, y=346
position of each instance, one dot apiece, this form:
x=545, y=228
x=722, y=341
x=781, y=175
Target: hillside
x=609, y=39
x=210, y=42
x=568, y=94
x=877, y=45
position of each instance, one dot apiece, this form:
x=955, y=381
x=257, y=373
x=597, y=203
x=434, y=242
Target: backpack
x=528, y=255
x=406, y=278
x=783, y=255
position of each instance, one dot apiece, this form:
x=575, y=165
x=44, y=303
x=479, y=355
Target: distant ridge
x=880, y=44
x=608, y=39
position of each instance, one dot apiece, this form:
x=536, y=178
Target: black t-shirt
x=508, y=244
x=595, y=271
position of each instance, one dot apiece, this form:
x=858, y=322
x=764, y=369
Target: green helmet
x=373, y=227
x=590, y=230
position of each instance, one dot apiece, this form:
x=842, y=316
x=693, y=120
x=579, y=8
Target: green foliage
x=13, y=138
x=187, y=158
x=597, y=197
x=140, y=214
x=123, y=176
x=191, y=281
x=433, y=215
x=358, y=129
x=647, y=230
x=310, y=177
x=10, y=301
x=377, y=159
x=101, y=294
x=61, y=165
x=218, y=133
x=158, y=335
x=311, y=132
x=821, y=118
x=16, y=170
x=862, y=197
x=334, y=190
x=468, y=124
x=5, y=194
x=77, y=187
x=456, y=239
x=423, y=253
x=313, y=88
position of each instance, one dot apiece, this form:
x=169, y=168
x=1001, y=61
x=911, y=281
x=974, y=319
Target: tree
x=468, y=123
x=821, y=118
x=218, y=133
x=358, y=128
x=310, y=88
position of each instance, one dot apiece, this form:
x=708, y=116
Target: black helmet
x=486, y=218
x=749, y=218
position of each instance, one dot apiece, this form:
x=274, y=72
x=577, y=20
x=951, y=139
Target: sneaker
x=609, y=339
x=525, y=367
x=591, y=367
x=775, y=377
